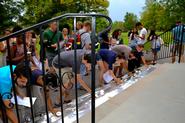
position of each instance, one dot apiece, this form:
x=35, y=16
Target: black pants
x=133, y=64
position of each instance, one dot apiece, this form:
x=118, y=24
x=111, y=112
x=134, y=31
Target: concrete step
x=157, y=98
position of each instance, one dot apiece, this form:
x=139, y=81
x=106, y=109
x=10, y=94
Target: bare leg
x=116, y=69
x=11, y=115
x=102, y=71
x=173, y=53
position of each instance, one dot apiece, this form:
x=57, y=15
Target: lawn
x=167, y=38
x=124, y=36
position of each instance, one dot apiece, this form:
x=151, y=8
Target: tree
x=10, y=10
x=118, y=25
x=39, y=10
x=162, y=14
x=153, y=15
x=130, y=20
x=174, y=10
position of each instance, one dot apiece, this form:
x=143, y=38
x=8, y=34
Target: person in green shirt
x=51, y=36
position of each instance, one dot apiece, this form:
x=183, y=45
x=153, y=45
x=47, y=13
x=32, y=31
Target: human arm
x=144, y=61
x=9, y=111
x=2, y=46
x=83, y=83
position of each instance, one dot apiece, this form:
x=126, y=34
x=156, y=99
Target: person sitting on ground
x=20, y=76
x=136, y=58
x=156, y=43
x=142, y=34
x=121, y=50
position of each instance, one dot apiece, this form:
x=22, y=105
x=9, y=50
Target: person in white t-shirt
x=142, y=33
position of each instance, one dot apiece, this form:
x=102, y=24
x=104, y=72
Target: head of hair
x=22, y=70
x=152, y=34
x=121, y=56
x=80, y=24
x=178, y=22
x=17, y=28
x=140, y=45
x=115, y=34
x=33, y=34
x=104, y=37
x=87, y=23
x=88, y=58
x=139, y=24
x=7, y=30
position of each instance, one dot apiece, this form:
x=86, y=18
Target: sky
x=118, y=8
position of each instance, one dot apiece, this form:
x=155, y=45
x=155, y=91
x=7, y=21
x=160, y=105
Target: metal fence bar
x=76, y=83
x=93, y=117
x=43, y=71
x=29, y=77
x=181, y=41
x=169, y=44
x=60, y=78
x=12, y=77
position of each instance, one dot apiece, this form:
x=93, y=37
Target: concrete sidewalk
x=157, y=98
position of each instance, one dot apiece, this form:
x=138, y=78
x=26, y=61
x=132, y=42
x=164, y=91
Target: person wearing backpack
x=85, y=36
x=51, y=36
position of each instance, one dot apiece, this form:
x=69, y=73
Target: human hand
x=118, y=81
x=54, y=45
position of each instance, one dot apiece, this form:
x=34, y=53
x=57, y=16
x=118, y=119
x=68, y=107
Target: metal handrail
x=68, y=15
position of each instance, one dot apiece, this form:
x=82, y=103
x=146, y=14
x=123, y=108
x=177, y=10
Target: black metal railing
x=40, y=27
x=172, y=43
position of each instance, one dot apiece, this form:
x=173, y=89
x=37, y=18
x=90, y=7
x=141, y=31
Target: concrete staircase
x=157, y=98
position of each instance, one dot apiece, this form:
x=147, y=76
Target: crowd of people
x=113, y=58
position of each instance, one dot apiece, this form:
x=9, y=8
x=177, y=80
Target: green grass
x=124, y=36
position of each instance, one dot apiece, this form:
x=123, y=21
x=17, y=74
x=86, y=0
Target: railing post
x=75, y=59
x=43, y=70
x=181, y=41
x=13, y=81
x=59, y=71
x=29, y=75
x=93, y=70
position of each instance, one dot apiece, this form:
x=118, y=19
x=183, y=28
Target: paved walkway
x=157, y=98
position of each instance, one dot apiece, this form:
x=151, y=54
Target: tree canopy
x=130, y=20
x=162, y=14
x=29, y=12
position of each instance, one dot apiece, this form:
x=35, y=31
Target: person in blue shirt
x=5, y=91
x=20, y=76
x=178, y=34
x=105, y=59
